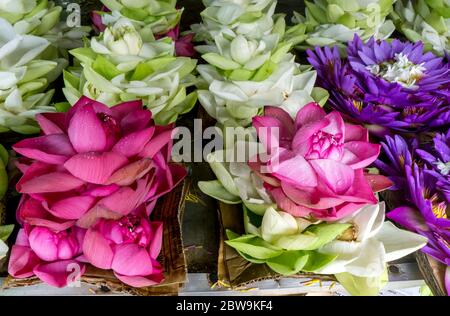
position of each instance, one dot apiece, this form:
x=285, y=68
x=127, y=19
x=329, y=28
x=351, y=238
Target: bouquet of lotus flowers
x=161, y=16
x=26, y=73
x=389, y=87
x=251, y=18
x=424, y=20
x=247, y=71
x=309, y=204
x=335, y=22
x=124, y=64
x=42, y=18
x=89, y=185
x=422, y=178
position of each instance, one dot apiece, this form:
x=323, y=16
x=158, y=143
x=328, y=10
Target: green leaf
x=71, y=80
x=26, y=129
x=298, y=242
x=216, y=190
x=281, y=52
x=99, y=81
x=258, y=209
x=62, y=106
x=289, y=262
x=104, y=67
x=220, y=61
x=4, y=156
x=318, y=14
x=362, y=286
x=84, y=54
x=5, y=231
x=134, y=14
x=255, y=247
x=265, y=71
x=3, y=178
x=317, y=261
x=320, y=95
x=240, y=74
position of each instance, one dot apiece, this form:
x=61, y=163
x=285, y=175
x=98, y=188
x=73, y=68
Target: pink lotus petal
x=310, y=113
x=52, y=123
x=97, y=21
x=360, y=191
x=34, y=170
x=101, y=190
x=84, y=101
x=311, y=199
x=50, y=182
x=378, y=182
x=301, y=142
x=42, y=241
x=131, y=260
x=141, y=281
x=22, y=238
x=96, y=213
x=124, y=200
x=296, y=171
x=133, y=143
x=72, y=208
x=122, y=110
x=408, y=217
x=358, y=154
x=53, y=149
x=336, y=124
x=287, y=205
x=156, y=144
x=60, y=273
x=338, y=176
x=356, y=133
x=341, y=211
x=131, y=172
x=95, y=167
x=86, y=132
x=184, y=46
x=136, y=121
x=175, y=173
x=22, y=262
x=286, y=122
x=156, y=244
x=97, y=250
x=257, y=169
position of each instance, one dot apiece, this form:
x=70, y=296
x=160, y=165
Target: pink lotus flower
x=129, y=246
x=52, y=256
x=315, y=167
x=94, y=162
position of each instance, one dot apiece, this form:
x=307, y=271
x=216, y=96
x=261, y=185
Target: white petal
x=371, y=261
x=398, y=242
x=275, y=224
x=3, y=249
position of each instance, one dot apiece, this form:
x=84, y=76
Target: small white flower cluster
x=401, y=70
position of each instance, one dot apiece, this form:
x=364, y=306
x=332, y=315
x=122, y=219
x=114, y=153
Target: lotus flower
x=236, y=182
x=251, y=18
x=123, y=64
x=390, y=87
x=42, y=18
x=26, y=74
x=331, y=22
x=129, y=246
x=159, y=16
x=93, y=162
x=424, y=206
x=424, y=20
x=52, y=256
x=365, y=249
x=316, y=166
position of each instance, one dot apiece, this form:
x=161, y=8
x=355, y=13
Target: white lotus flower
x=124, y=64
x=236, y=182
x=370, y=244
x=426, y=21
x=23, y=79
x=330, y=22
x=287, y=87
x=251, y=18
x=159, y=16
x=42, y=18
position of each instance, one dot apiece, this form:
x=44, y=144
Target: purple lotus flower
x=387, y=86
x=427, y=206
